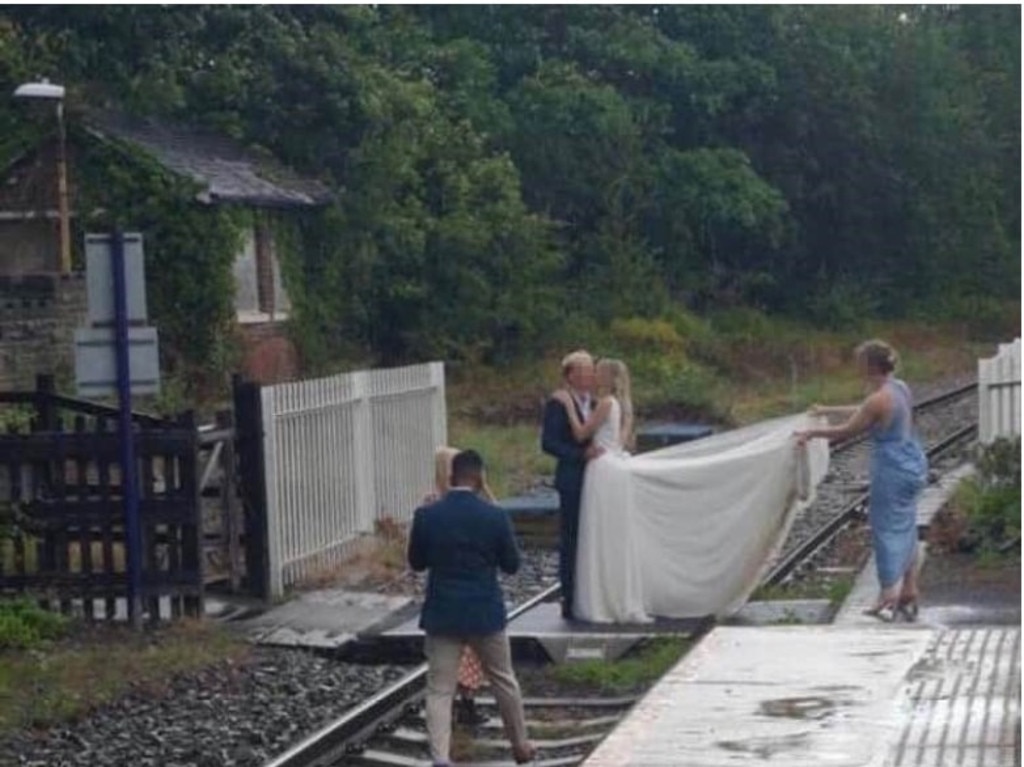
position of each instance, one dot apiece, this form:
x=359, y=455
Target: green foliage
x=630, y=673
x=16, y=419
x=189, y=247
x=991, y=499
x=506, y=175
x=24, y=625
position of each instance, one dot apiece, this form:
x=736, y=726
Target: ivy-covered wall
x=190, y=248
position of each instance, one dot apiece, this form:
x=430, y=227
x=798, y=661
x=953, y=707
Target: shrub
x=25, y=625
x=990, y=502
x=642, y=335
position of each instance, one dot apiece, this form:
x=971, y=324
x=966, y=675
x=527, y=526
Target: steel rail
x=855, y=508
x=919, y=407
x=333, y=741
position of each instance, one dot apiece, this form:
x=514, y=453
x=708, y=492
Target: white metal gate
x=999, y=394
x=341, y=453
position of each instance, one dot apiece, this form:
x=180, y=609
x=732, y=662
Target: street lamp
x=52, y=92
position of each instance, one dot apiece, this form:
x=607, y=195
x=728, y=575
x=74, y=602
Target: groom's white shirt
x=583, y=400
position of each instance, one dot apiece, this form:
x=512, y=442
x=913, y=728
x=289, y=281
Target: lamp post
x=52, y=92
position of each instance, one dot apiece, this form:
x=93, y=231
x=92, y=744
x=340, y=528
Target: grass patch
x=67, y=679
x=984, y=515
x=637, y=670
x=733, y=367
x=834, y=589
x=511, y=453
x=25, y=626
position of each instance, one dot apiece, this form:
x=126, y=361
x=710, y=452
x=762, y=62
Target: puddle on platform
x=809, y=707
x=766, y=748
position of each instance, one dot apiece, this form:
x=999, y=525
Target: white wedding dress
x=608, y=576
x=689, y=530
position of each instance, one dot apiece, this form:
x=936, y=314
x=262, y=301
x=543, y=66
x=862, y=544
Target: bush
x=24, y=625
x=641, y=335
x=990, y=501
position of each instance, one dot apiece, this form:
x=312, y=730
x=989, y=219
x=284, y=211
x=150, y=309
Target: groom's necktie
x=583, y=403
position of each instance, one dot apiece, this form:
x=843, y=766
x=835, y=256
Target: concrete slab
x=546, y=619
x=566, y=641
x=935, y=496
x=782, y=611
x=328, y=618
x=799, y=696
x=964, y=698
x=864, y=594
x=531, y=504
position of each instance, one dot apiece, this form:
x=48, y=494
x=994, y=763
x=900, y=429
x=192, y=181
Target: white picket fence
x=999, y=394
x=341, y=453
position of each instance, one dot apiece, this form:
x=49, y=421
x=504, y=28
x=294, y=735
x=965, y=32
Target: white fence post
x=363, y=442
x=999, y=394
x=342, y=452
x=440, y=404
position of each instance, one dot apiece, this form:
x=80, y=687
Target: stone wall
x=38, y=317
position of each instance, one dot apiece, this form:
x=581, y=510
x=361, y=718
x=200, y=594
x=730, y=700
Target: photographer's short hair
x=467, y=465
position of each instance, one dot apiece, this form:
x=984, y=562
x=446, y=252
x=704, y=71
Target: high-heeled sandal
x=885, y=613
x=909, y=609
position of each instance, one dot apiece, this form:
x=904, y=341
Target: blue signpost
x=116, y=354
x=129, y=480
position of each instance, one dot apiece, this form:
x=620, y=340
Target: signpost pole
x=129, y=480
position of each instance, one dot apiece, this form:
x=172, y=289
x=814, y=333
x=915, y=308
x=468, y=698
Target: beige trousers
x=443, y=654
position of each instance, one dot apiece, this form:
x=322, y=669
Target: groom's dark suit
x=557, y=440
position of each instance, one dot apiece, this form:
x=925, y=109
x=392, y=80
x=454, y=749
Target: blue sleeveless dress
x=899, y=471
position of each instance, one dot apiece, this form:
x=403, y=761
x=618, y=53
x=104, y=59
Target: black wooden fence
x=62, y=531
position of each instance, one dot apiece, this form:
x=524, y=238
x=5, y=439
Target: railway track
x=945, y=422
x=388, y=729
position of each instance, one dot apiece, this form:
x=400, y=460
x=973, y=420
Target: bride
x=608, y=585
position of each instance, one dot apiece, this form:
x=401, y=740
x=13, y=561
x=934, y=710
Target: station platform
x=568, y=640
x=834, y=696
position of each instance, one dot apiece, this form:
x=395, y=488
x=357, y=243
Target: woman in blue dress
x=899, y=470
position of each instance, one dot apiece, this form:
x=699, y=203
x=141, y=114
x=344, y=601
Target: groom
x=557, y=440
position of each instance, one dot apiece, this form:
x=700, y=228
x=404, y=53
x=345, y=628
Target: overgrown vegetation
x=985, y=514
x=638, y=669
x=513, y=177
x=24, y=625
x=72, y=676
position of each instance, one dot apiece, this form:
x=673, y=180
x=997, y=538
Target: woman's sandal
x=885, y=613
x=908, y=608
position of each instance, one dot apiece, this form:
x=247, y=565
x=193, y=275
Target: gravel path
x=223, y=716
x=538, y=571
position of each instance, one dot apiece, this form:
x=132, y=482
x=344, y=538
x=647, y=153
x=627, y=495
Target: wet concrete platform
x=325, y=619
x=937, y=495
x=830, y=695
x=568, y=640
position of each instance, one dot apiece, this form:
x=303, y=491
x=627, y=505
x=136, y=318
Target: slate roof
x=229, y=172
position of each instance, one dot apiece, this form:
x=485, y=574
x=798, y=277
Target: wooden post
x=249, y=448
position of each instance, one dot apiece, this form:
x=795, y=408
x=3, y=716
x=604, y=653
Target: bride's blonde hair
x=620, y=387
x=443, y=458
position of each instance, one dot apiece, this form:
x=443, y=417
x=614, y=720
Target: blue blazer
x=462, y=540
x=557, y=440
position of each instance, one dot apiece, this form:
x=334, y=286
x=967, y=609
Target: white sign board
x=96, y=361
x=99, y=279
